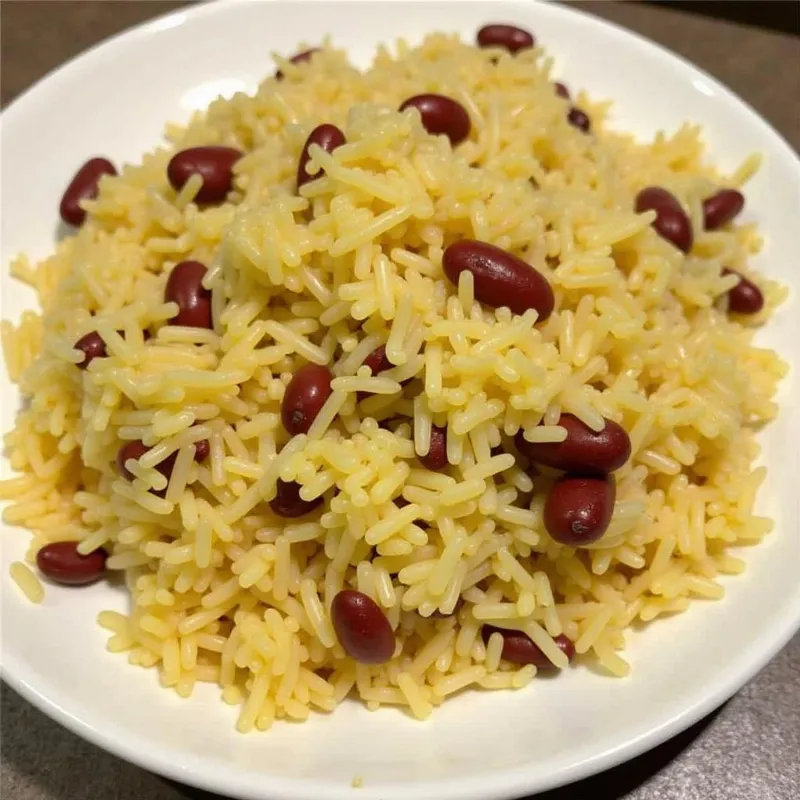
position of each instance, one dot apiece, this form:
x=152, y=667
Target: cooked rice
x=27, y=581
x=227, y=592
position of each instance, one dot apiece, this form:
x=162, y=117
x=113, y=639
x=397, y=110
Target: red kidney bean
x=305, y=395
x=671, y=222
x=92, y=346
x=441, y=114
x=83, y=186
x=578, y=509
x=377, y=361
x=62, y=563
x=213, y=163
x=561, y=90
x=130, y=450
x=584, y=450
x=501, y=279
x=201, y=450
x=721, y=208
x=362, y=628
x=509, y=37
x=185, y=287
x=579, y=119
x=518, y=647
x=300, y=58
x=745, y=297
x=328, y=137
x=136, y=449
x=436, y=457
x=288, y=503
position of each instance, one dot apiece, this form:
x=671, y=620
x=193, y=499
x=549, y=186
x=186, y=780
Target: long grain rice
x=224, y=590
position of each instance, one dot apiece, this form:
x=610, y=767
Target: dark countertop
x=748, y=750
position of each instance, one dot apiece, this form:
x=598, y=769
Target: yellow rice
x=225, y=591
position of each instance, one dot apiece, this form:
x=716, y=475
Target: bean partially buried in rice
x=499, y=277
x=326, y=136
x=213, y=164
x=518, y=648
x=441, y=115
x=460, y=338
x=582, y=449
x=83, y=186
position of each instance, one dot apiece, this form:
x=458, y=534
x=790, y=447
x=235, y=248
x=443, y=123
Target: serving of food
x=389, y=383
x=397, y=378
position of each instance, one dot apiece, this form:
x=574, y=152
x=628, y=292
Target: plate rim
x=484, y=787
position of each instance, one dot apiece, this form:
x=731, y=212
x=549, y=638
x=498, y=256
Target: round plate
x=114, y=100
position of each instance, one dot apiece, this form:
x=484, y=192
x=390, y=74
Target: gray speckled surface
x=748, y=750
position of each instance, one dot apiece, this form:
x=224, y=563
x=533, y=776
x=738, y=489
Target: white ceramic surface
x=114, y=101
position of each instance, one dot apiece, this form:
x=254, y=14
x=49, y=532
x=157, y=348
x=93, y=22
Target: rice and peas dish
x=390, y=383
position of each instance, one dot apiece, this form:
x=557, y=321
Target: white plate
x=114, y=101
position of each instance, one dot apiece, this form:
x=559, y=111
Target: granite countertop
x=747, y=750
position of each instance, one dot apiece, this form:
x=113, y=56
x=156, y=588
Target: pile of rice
x=223, y=590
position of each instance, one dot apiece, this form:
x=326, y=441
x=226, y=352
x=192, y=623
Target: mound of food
x=394, y=382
